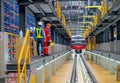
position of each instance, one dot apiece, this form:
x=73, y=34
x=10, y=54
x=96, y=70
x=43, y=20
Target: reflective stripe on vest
x=38, y=33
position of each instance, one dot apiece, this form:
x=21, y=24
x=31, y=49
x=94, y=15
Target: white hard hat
x=39, y=23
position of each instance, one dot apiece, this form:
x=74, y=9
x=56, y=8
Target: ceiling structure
x=74, y=10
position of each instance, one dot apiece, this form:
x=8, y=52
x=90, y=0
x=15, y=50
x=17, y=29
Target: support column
x=107, y=32
x=40, y=75
x=48, y=72
x=111, y=39
x=53, y=66
x=1, y=15
x=103, y=37
x=112, y=34
x=22, y=17
x=118, y=30
x=117, y=41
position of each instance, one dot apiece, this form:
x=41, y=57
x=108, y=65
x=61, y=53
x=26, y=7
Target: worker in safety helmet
x=39, y=36
x=47, y=40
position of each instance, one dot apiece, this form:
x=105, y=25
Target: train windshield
x=78, y=41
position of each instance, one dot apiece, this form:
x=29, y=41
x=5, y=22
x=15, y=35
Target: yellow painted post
x=58, y=9
x=105, y=6
x=63, y=20
x=44, y=75
x=25, y=78
x=94, y=42
x=29, y=51
x=33, y=79
x=19, y=73
x=96, y=19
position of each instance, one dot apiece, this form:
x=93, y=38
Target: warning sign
x=1, y=37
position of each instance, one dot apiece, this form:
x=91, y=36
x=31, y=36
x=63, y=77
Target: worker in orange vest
x=47, y=39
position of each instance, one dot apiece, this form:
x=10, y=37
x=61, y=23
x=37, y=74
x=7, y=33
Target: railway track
x=74, y=77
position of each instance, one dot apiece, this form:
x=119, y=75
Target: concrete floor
x=64, y=73
x=103, y=76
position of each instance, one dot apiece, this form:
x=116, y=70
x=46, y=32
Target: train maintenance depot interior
x=59, y=41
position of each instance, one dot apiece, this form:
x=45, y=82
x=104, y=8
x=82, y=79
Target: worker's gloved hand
x=50, y=41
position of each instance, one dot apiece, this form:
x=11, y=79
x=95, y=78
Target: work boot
x=47, y=55
x=42, y=55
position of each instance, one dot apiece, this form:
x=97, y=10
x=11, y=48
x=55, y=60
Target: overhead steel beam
x=49, y=15
x=25, y=2
x=78, y=30
x=55, y=22
x=39, y=15
x=80, y=20
x=72, y=0
x=40, y=1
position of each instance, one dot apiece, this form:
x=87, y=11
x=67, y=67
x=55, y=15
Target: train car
x=78, y=43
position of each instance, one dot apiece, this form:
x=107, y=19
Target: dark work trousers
x=39, y=42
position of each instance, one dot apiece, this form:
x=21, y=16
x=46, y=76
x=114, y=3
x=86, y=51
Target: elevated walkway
x=64, y=73
x=102, y=75
x=105, y=66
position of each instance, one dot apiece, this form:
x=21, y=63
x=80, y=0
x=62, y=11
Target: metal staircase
x=22, y=64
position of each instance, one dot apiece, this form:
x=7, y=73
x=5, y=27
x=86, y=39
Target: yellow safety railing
x=58, y=9
x=91, y=23
x=102, y=8
x=64, y=20
x=95, y=17
x=24, y=55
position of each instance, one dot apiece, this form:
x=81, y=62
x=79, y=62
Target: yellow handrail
x=25, y=51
